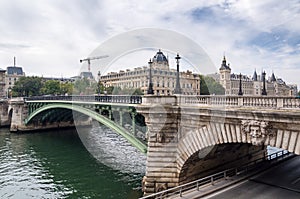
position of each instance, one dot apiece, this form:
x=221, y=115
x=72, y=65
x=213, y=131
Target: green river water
x=94, y=163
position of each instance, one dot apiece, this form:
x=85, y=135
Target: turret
x=225, y=72
x=273, y=79
x=254, y=78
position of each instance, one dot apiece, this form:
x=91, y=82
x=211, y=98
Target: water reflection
x=112, y=149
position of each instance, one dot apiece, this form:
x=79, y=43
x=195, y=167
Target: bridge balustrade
x=246, y=101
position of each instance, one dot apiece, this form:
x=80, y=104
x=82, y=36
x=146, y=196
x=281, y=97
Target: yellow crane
x=88, y=60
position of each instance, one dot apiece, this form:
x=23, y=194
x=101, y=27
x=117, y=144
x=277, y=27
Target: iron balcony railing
x=179, y=190
x=124, y=99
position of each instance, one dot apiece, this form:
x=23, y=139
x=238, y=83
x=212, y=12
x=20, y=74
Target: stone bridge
x=188, y=136
x=194, y=136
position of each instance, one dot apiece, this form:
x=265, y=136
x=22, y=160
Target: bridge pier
x=4, y=117
x=18, y=112
x=162, y=122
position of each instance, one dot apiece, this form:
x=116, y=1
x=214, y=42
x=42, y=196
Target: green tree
x=51, y=87
x=111, y=90
x=203, y=87
x=66, y=88
x=209, y=85
x=84, y=87
x=100, y=88
x=27, y=86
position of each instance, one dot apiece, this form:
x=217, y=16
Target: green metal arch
x=107, y=122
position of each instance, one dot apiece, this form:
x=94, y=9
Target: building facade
x=252, y=86
x=13, y=73
x=2, y=83
x=163, y=78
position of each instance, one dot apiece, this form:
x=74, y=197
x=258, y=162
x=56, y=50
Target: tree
x=51, y=87
x=66, y=88
x=209, y=85
x=111, y=90
x=85, y=87
x=203, y=87
x=27, y=86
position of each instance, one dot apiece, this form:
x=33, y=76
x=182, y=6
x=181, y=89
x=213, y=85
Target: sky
x=49, y=37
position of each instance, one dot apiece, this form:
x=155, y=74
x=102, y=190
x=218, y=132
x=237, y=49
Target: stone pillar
x=121, y=118
x=18, y=115
x=4, y=120
x=162, y=122
x=133, y=123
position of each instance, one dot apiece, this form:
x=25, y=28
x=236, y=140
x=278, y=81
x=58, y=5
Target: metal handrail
x=125, y=99
x=217, y=176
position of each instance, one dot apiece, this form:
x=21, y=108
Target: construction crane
x=92, y=58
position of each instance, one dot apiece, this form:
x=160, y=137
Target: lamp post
x=177, y=88
x=240, y=88
x=150, y=90
x=264, y=92
x=99, y=86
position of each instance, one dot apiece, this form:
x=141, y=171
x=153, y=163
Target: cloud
x=50, y=37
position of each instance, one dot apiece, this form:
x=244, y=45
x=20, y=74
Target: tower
x=225, y=72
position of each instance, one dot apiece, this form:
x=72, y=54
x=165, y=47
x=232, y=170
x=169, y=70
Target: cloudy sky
x=49, y=37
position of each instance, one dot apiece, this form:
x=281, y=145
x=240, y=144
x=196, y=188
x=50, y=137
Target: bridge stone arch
x=248, y=137
x=96, y=116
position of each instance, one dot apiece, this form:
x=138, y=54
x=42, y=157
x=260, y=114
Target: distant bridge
x=188, y=137
x=59, y=111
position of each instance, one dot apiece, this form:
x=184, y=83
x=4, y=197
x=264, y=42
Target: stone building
x=2, y=83
x=163, y=78
x=13, y=73
x=252, y=86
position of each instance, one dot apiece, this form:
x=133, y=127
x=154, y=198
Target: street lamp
x=240, y=88
x=264, y=92
x=150, y=90
x=98, y=86
x=177, y=88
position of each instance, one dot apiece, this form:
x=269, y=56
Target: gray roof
x=254, y=78
x=224, y=66
x=273, y=79
x=160, y=57
x=88, y=75
x=14, y=70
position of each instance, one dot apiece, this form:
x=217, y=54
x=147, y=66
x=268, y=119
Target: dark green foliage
x=51, y=87
x=27, y=86
x=34, y=86
x=209, y=86
x=85, y=87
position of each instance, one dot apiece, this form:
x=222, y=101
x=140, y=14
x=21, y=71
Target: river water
x=82, y=163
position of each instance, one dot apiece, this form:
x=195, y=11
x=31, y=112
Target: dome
x=160, y=57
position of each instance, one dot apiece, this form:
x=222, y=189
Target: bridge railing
x=125, y=99
x=210, y=180
x=222, y=100
x=248, y=101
